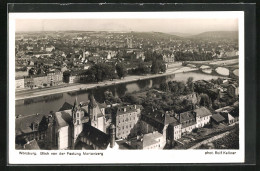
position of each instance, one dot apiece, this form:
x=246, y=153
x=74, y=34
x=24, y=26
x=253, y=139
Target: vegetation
x=121, y=70
x=193, y=56
x=110, y=99
x=231, y=141
x=158, y=66
x=154, y=99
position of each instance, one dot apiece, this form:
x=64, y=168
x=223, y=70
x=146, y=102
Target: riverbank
x=132, y=78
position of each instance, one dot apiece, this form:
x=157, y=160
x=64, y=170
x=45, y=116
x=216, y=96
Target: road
x=20, y=95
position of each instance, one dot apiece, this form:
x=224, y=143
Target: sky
x=187, y=25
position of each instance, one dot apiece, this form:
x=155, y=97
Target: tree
x=164, y=87
x=163, y=67
x=173, y=86
x=121, y=70
x=190, y=84
x=111, y=72
x=142, y=68
x=155, y=67
x=204, y=101
x=110, y=99
x=31, y=71
x=158, y=66
x=181, y=87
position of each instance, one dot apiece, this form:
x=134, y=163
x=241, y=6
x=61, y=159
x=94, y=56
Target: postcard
x=126, y=87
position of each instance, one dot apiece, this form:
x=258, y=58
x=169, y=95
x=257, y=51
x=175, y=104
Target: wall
x=202, y=121
x=64, y=139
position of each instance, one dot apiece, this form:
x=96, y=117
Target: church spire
x=92, y=101
x=75, y=104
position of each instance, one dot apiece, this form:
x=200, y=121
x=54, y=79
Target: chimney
x=112, y=134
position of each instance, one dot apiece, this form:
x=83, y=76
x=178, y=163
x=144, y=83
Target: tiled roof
x=185, y=116
x=96, y=136
x=218, y=118
x=187, y=119
x=23, y=124
x=202, y=112
x=66, y=106
x=154, y=122
x=63, y=118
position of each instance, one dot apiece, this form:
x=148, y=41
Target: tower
x=112, y=133
x=77, y=126
x=97, y=118
x=129, y=43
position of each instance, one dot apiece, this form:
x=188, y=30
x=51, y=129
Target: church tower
x=77, y=126
x=97, y=118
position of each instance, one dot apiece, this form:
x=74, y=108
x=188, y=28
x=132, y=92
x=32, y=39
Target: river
x=45, y=105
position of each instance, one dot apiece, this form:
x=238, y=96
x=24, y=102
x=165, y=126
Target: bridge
x=230, y=64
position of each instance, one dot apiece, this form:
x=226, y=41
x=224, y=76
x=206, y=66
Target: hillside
x=217, y=35
x=180, y=34
x=154, y=35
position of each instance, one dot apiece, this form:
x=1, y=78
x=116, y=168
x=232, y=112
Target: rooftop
x=23, y=124
x=202, y=112
x=96, y=136
x=218, y=118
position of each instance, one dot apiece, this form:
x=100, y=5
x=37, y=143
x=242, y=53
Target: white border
x=125, y=156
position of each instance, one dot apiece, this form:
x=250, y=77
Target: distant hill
x=217, y=35
x=180, y=34
x=154, y=35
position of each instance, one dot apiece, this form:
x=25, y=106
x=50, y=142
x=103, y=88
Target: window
x=77, y=114
x=77, y=122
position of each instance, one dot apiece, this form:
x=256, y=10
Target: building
x=175, y=131
x=140, y=55
x=49, y=49
x=125, y=119
x=232, y=90
x=28, y=82
x=96, y=114
x=228, y=118
x=129, y=43
x=149, y=141
x=83, y=127
x=19, y=83
x=165, y=123
x=70, y=125
x=75, y=77
x=54, y=77
x=94, y=139
x=36, y=127
x=203, y=116
x=187, y=120
x=169, y=58
x=111, y=54
x=172, y=125
x=40, y=81
x=217, y=119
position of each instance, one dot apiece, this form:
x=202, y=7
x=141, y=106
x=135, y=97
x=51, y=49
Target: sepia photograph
x=150, y=83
